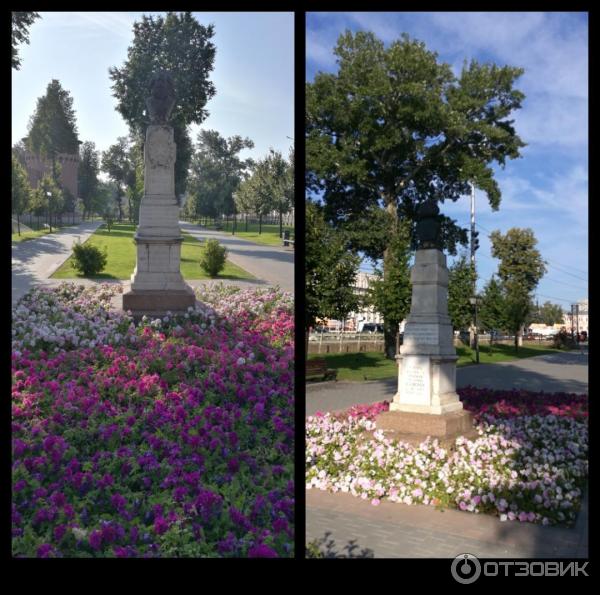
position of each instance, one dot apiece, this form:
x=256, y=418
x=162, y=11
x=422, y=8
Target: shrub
x=562, y=340
x=213, y=258
x=88, y=259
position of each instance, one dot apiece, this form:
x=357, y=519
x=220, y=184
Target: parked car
x=371, y=328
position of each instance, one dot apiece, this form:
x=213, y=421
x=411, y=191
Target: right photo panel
x=446, y=325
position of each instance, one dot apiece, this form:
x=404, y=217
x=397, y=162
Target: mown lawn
x=269, y=235
x=32, y=235
x=121, y=256
x=374, y=366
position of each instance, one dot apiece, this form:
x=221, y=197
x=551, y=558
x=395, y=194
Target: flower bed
x=529, y=462
x=172, y=438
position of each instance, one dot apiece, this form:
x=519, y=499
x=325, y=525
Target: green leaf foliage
x=177, y=43
x=394, y=126
x=330, y=270
x=461, y=287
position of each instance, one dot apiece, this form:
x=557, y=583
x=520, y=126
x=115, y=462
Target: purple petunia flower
x=95, y=539
x=44, y=551
x=262, y=551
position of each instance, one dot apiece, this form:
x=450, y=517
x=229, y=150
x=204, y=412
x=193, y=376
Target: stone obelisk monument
x=156, y=284
x=426, y=402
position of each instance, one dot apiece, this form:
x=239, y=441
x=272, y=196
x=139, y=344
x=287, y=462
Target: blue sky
x=547, y=188
x=253, y=74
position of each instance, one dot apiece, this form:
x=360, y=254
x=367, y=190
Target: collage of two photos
x=405, y=377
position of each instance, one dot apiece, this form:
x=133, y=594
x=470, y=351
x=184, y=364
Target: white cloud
x=319, y=49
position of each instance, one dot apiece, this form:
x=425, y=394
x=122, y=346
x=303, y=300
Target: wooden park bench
x=318, y=367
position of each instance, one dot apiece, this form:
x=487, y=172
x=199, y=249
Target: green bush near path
x=268, y=237
x=374, y=366
x=121, y=256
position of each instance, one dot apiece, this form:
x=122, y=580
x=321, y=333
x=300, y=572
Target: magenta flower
x=44, y=551
x=95, y=539
x=262, y=551
x=160, y=525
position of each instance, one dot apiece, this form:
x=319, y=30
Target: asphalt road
x=559, y=372
x=272, y=264
x=35, y=260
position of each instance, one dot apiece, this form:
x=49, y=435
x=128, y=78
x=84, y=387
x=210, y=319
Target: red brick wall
x=37, y=168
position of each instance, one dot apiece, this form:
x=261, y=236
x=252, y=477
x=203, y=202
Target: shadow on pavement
x=329, y=549
x=513, y=376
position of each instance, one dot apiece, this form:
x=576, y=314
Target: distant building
x=577, y=320
x=37, y=168
x=364, y=315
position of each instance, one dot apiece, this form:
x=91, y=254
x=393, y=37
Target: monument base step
x=415, y=427
x=157, y=303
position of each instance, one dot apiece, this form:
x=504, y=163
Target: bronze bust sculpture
x=162, y=97
x=428, y=225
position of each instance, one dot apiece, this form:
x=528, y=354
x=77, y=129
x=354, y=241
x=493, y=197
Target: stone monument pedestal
x=157, y=286
x=426, y=403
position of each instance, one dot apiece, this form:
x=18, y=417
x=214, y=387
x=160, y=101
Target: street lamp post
x=473, y=301
x=49, y=194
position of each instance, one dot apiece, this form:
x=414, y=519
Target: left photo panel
x=153, y=233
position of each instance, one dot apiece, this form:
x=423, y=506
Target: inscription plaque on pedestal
x=415, y=384
x=422, y=335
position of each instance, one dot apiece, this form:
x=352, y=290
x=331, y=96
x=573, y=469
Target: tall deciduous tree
x=330, y=271
x=492, y=309
x=180, y=44
x=117, y=162
x=21, y=191
x=217, y=171
x=88, y=170
x=520, y=270
x=21, y=21
x=390, y=293
x=256, y=192
x=548, y=314
x=281, y=185
x=461, y=288
x=53, y=127
x=394, y=126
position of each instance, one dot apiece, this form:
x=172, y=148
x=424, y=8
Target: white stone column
x=156, y=283
x=427, y=360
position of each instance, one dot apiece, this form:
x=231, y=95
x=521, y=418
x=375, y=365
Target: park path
x=556, y=372
x=351, y=527
x=273, y=264
x=33, y=261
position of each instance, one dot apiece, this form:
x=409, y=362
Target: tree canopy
x=87, y=174
x=330, y=270
x=53, y=126
x=216, y=173
x=179, y=44
x=21, y=191
x=520, y=270
x=21, y=21
x=461, y=288
x=394, y=127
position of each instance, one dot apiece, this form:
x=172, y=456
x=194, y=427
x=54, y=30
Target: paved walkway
x=273, y=264
x=557, y=372
x=346, y=526
x=33, y=261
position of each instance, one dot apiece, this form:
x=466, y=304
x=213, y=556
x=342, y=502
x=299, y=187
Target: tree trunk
x=246, y=221
x=280, y=224
x=517, y=342
x=259, y=224
x=389, y=333
x=18, y=225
